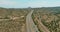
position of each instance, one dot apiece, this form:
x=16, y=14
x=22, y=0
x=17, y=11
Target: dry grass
x=11, y=20
x=50, y=17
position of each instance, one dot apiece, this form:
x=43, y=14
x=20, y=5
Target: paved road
x=31, y=27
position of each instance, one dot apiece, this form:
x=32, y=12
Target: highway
x=30, y=26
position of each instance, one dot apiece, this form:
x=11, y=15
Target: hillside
x=49, y=16
x=13, y=20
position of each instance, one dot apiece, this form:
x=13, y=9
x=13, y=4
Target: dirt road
x=42, y=27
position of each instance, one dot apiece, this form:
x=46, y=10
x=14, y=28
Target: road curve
x=30, y=26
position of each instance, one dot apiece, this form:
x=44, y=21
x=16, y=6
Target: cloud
x=37, y=4
x=14, y=4
x=44, y=4
x=27, y=3
x=5, y=2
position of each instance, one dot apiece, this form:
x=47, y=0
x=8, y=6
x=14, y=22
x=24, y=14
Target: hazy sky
x=29, y=3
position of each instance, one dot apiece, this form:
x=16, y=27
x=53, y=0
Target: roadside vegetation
x=13, y=19
x=50, y=17
x=36, y=23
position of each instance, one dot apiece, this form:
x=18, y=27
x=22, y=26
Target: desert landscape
x=13, y=19
x=47, y=17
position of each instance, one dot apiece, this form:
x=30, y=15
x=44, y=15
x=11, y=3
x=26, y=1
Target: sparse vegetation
x=13, y=20
x=49, y=17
